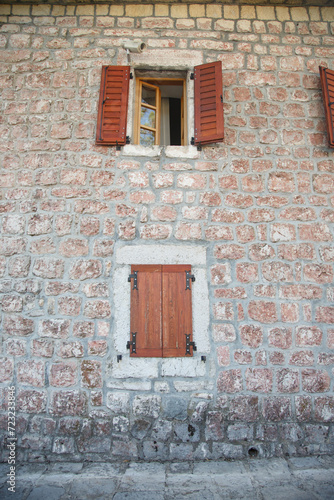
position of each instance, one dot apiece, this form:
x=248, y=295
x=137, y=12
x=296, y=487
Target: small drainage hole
x=253, y=452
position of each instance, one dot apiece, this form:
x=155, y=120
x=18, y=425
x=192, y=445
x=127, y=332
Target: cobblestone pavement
x=261, y=479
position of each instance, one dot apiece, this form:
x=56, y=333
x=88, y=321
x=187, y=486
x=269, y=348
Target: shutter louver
x=209, y=114
x=113, y=106
x=146, y=311
x=177, y=312
x=327, y=84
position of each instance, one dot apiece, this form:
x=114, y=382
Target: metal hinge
x=189, y=344
x=188, y=278
x=199, y=146
x=127, y=141
x=134, y=276
x=132, y=343
x=192, y=76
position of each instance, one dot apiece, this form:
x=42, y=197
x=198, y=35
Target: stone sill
x=148, y=368
x=190, y=152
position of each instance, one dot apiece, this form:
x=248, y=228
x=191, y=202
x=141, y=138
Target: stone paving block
x=31, y=471
x=88, y=489
x=269, y=468
x=305, y=462
x=102, y=470
x=235, y=485
x=181, y=467
x=319, y=482
x=213, y=467
x=21, y=491
x=46, y=491
x=136, y=495
x=66, y=467
x=286, y=492
x=194, y=495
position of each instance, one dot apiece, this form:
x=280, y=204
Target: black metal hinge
x=188, y=278
x=134, y=276
x=189, y=344
x=199, y=146
x=132, y=343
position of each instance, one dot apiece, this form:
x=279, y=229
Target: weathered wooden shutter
x=146, y=311
x=161, y=313
x=177, y=312
x=327, y=83
x=113, y=106
x=209, y=115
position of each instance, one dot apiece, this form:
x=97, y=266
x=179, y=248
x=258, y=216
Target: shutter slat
x=113, y=103
x=327, y=84
x=177, y=312
x=208, y=92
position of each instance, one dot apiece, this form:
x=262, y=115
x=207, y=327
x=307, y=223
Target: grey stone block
x=154, y=450
x=186, y=432
x=175, y=407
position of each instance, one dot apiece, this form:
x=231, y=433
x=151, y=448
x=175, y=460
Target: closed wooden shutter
x=113, y=106
x=177, y=312
x=161, y=313
x=327, y=84
x=209, y=115
x=146, y=311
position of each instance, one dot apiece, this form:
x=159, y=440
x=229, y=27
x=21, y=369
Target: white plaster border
x=160, y=254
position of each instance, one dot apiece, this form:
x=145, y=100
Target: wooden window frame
x=156, y=82
x=161, y=311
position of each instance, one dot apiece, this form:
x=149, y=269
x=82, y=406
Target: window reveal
x=161, y=311
x=160, y=112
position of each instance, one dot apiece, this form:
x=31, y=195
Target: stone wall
x=260, y=204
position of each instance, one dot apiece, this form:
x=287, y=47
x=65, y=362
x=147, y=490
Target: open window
x=327, y=84
x=160, y=110
x=161, y=311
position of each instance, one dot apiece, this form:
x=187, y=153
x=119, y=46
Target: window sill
x=148, y=368
x=190, y=152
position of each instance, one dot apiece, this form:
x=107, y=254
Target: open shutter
x=113, y=106
x=176, y=310
x=327, y=83
x=145, y=320
x=209, y=115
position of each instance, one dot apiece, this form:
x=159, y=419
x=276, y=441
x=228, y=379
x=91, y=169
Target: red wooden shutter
x=146, y=311
x=113, y=105
x=209, y=115
x=327, y=84
x=176, y=310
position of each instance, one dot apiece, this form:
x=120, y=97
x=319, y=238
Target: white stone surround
x=160, y=254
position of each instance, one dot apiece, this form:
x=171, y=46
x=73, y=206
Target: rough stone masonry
x=258, y=206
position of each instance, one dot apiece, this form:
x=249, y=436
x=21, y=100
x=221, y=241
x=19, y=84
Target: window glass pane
x=147, y=138
x=147, y=117
x=148, y=96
